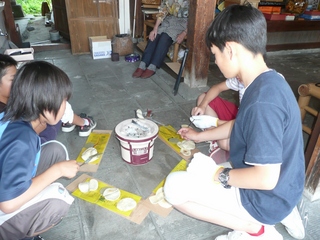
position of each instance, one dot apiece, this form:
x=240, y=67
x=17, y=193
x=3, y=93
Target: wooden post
x=306, y=91
x=314, y=137
x=12, y=28
x=201, y=14
x=312, y=188
x=303, y=101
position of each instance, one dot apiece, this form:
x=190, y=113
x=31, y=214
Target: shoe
x=137, y=73
x=270, y=233
x=85, y=130
x=294, y=225
x=147, y=73
x=38, y=238
x=67, y=127
x=213, y=146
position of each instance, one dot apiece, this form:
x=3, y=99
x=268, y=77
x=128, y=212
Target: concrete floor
x=106, y=91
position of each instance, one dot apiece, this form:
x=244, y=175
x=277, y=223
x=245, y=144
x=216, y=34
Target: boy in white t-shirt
x=213, y=111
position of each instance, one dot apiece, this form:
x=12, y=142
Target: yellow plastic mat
x=96, y=197
x=99, y=140
x=170, y=137
x=181, y=166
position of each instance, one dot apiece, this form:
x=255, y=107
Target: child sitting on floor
x=8, y=68
x=266, y=180
x=30, y=200
x=217, y=111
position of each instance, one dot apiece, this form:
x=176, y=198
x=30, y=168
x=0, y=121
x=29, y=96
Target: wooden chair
x=307, y=92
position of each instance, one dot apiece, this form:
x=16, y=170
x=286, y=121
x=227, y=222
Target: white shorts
x=68, y=114
x=181, y=187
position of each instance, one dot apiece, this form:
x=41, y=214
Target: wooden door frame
x=11, y=27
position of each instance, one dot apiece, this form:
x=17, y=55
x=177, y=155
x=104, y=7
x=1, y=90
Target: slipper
x=147, y=73
x=138, y=73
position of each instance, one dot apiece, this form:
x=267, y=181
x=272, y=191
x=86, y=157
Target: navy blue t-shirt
x=19, y=157
x=268, y=130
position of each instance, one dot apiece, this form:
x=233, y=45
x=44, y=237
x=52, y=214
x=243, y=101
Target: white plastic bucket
x=137, y=150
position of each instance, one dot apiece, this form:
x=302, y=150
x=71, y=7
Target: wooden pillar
x=201, y=14
x=12, y=28
x=312, y=187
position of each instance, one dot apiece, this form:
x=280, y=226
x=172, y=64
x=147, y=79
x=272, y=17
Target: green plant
x=32, y=6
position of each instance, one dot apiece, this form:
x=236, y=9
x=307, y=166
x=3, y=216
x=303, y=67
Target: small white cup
x=85, y=187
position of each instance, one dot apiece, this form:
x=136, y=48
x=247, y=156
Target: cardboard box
x=100, y=47
x=21, y=54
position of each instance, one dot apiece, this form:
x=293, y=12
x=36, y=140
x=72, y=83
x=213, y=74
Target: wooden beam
x=313, y=173
x=311, y=147
x=201, y=14
x=12, y=29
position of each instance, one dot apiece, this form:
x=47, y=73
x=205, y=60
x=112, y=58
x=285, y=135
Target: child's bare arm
x=218, y=133
x=62, y=169
x=212, y=93
x=268, y=176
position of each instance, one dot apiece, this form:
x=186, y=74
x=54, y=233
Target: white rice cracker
x=126, y=204
x=111, y=194
x=88, y=153
x=186, y=147
x=158, y=198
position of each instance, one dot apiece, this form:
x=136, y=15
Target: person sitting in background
x=8, y=69
x=170, y=27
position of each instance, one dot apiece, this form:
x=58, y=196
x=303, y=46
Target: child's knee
x=224, y=144
x=200, y=98
x=55, y=149
x=175, y=188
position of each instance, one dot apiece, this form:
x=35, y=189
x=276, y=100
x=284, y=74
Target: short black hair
x=239, y=23
x=5, y=62
x=38, y=86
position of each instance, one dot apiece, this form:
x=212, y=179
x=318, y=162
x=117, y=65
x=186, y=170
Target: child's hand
x=188, y=134
x=68, y=168
x=197, y=111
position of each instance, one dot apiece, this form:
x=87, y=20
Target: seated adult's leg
x=161, y=49
x=150, y=50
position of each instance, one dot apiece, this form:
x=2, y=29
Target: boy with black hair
x=8, y=69
x=30, y=200
x=70, y=120
x=266, y=145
